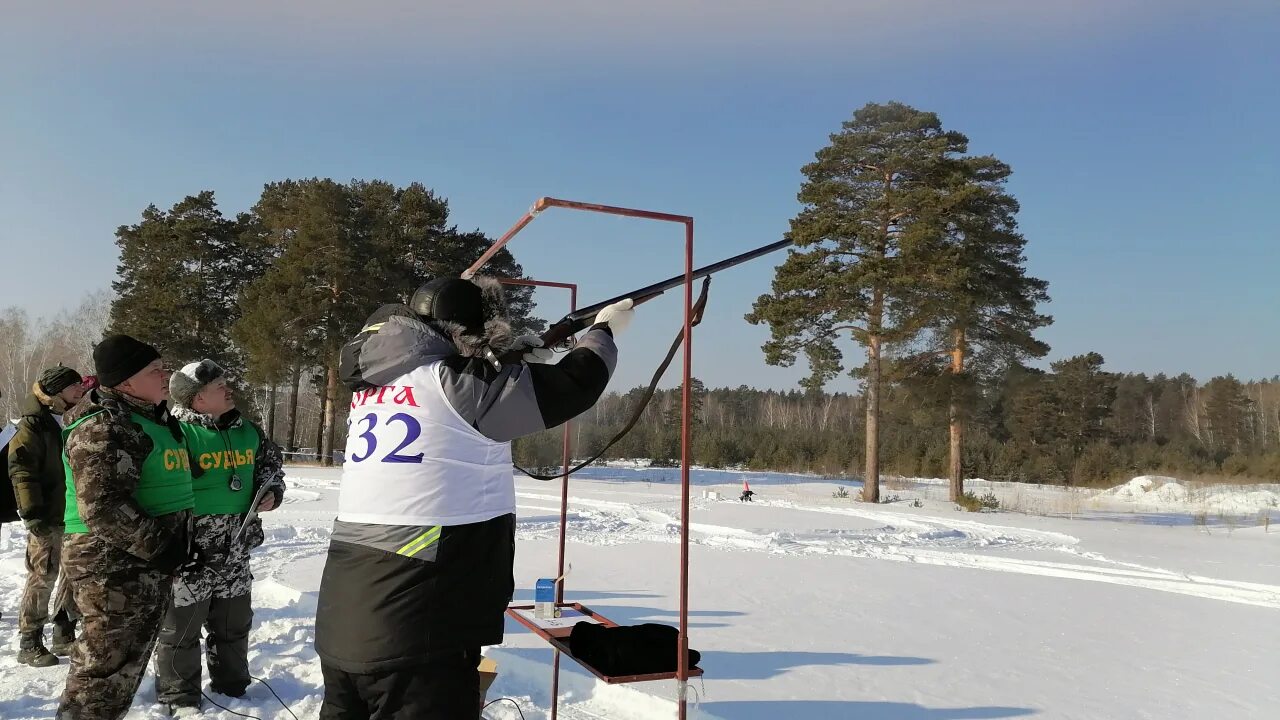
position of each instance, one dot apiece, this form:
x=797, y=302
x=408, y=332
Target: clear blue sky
x=1143, y=141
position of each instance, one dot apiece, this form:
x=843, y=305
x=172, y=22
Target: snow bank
x=1166, y=494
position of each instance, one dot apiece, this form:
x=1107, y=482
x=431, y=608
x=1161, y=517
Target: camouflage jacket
x=106, y=453
x=225, y=573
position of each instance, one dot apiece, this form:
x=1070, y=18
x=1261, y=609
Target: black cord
x=173, y=661
x=173, y=665
x=273, y=692
x=638, y=412
x=223, y=707
x=514, y=704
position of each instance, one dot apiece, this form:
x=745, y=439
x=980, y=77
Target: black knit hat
x=58, y=378
x=119, y=357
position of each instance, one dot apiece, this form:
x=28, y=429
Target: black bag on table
x=628, y=649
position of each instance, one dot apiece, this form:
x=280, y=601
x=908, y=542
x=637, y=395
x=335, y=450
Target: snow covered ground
x=808, y=606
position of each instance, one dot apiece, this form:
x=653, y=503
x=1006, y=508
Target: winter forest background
x=907, y=273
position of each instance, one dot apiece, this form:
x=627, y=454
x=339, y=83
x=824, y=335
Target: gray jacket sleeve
x=523, y=399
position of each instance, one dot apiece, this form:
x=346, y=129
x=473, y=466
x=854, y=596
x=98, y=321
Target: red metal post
x=502, y=241
x=547, y=202
x=564, y=482
x=682, y=663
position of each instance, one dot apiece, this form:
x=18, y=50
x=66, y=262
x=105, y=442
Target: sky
x=1141, y=135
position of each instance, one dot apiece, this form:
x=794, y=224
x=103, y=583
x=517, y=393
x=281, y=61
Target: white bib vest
x=412, y=460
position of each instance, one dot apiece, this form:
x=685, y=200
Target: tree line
x=1075, y=423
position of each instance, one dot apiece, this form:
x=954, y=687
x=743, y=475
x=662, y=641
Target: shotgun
x=581, y=319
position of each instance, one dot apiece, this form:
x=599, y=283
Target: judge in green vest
x=128, y=525
x=232, y=463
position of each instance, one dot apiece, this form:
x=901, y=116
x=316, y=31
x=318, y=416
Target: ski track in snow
x=916, y=538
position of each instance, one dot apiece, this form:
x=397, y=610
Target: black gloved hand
x=196, y=559
x=175, y=557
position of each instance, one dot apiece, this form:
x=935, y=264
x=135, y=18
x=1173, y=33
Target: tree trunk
x=956, y=470
x=1192, y=399
x=1151, y=416
x=324, y=396
x=271, y=412
x=871, y=481
x=331, y=409
x=293, y=410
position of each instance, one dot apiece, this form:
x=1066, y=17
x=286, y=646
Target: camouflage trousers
x=217, y=597
x=44, y=553
x=121, y=614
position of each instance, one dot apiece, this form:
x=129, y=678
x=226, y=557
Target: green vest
x=219, y=454
x=164, y=485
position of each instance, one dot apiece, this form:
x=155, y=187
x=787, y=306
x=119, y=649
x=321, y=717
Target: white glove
x=532, y=351
x=618, y=315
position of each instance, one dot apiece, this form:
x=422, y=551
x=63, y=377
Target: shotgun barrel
x=583, y=318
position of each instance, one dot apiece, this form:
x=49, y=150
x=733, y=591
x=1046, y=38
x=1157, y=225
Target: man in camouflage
x=128, y=525
x=232, y=462
x=39, y=485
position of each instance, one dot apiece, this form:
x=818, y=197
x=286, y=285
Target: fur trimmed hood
x=475, y=331
x=396, y=340
x=182, y=413
x=55, y=404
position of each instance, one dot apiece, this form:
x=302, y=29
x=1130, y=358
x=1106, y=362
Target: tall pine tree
x=870, y=199
x=972, y=288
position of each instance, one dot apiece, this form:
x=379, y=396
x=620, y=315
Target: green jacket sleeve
x=26, y=455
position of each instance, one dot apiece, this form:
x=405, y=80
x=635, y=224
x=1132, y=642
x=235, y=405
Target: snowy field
x=808, y=606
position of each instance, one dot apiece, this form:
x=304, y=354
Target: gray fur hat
x=186, y=383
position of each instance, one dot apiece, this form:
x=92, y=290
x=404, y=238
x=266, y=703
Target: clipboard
x=253, y=506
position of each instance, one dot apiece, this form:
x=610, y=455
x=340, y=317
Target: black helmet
x=453, y=300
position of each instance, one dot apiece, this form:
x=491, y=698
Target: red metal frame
x=564, y=488
x=682, y=662
x=559, y=639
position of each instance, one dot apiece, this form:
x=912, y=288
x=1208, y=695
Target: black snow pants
x=444, y=689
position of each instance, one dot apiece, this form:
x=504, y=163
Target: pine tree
x=1228, y=411
x=341, y=250
x=697, y=398
x=179, y=276
x=1083, y=394
x=870, y=199
x=973, y=291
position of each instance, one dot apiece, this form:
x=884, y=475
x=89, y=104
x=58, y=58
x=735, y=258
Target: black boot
x=64, y=634
x=182, y=709
x=31, y=651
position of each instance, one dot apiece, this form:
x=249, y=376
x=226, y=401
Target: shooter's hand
x=617, y=316
x=531, y=349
